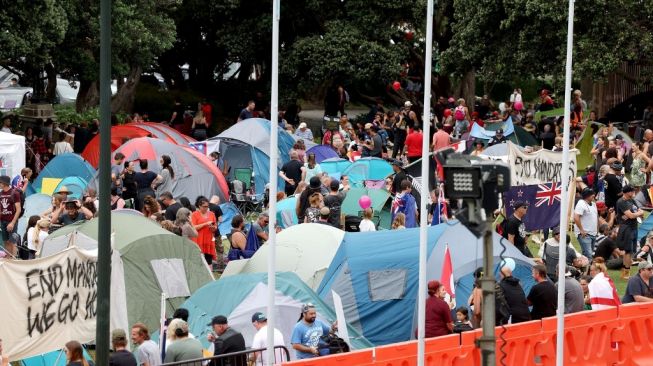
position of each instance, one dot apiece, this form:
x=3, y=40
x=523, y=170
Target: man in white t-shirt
x=586, y=222
x=260, y=322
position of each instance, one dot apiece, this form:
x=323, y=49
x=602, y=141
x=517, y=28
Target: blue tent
x=376, y=275
x=34, y=205
x=54, y=358
x=368, y=169
x=62, y=166
x=75, y=185
x=286, y=214
x=246, y=145
x=335, y=166
x=645, y=227
x=229, y=210
x=322, y=152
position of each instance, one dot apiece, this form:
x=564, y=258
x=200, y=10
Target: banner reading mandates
x=543, y=166
x=47, y=302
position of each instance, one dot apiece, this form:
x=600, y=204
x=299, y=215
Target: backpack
x=334, y=343
x=459, y=113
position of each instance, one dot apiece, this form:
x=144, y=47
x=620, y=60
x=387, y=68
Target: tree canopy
x=361, y=43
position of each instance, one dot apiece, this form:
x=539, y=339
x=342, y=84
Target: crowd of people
x=607, y=211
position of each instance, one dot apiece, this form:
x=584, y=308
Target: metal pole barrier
x=423, y=222
x=487, y=341
x=564, y=199
x=274, y=126
x=104, y=184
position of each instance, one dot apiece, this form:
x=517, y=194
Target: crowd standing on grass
x=609, y=204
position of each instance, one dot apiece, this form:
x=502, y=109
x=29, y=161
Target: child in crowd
x=462, y=323
x=367, y=224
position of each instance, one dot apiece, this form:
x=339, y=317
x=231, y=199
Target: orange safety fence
x=589, y=337
x=620, y=336
x=635, y=334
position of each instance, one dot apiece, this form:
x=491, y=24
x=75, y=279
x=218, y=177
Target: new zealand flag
x=544, y=201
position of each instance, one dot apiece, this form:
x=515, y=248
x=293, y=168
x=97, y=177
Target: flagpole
x=424, y=194
x=274, y=152
x=564, y=199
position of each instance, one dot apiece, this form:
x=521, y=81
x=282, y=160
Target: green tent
x=552, y=113
x=584, y=146
x=350, y=205
x=520, y=137
x=147, y=261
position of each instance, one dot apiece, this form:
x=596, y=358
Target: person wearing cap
x=10, y=210
x=247, y=112
x=292, y=173
x=120, y=355
x=627, y=213
x=372, y=147
x=438, y=320
x=147, y=352
x=303, y=201
x=303, y=132
x=498, y=138
x=613, y=184
x=586, y=222
x=516, y=230
x=574, y=295
x=550, y=252
x=182, y=347
x=69, y=212
x=260, y=322
x=306, y=334
x=640, y=286
x=606, y=215
x=226, y=340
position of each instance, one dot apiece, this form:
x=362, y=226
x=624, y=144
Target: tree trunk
x=51, y=89
x=467, y=89
x=88, y=96
x=123, y=101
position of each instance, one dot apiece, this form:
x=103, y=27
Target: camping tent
x=75, y=185
x=367, y=169
x=12, y=154
x=286, y=213
x=147, y=260
x=34, y=205
x=195, y=174
x=229, y=210
x=119, y=135
x=156, y=129
x=376, y=274
x=246, y=145
x=242, y=295
x=322, y=152
x=308, y=259
x=62, y=166
x=350, y=205
x=335, y=166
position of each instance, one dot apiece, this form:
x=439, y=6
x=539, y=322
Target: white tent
x=305, y=249
x=12, y=154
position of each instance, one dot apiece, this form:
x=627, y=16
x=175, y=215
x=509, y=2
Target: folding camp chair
x=243, y=199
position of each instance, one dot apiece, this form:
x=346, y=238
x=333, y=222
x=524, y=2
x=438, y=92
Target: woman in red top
x=205, y=223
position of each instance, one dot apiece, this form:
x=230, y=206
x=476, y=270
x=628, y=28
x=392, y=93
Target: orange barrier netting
x=616, y=336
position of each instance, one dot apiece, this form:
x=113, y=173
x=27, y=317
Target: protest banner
x=48, y=302
x=543, y=166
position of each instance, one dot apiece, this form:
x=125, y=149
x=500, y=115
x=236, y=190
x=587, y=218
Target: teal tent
x=239, y=297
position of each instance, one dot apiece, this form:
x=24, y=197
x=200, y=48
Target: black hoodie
x=516, y=299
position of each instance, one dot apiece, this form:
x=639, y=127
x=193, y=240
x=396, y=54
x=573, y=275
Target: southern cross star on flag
x=544, y=201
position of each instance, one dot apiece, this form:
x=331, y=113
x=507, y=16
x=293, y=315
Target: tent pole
x=564, y=199
x=423, y=222
x=104, y=179
x=274, y=153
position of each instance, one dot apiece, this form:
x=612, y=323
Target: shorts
x=627, y=239
x=5, y=233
